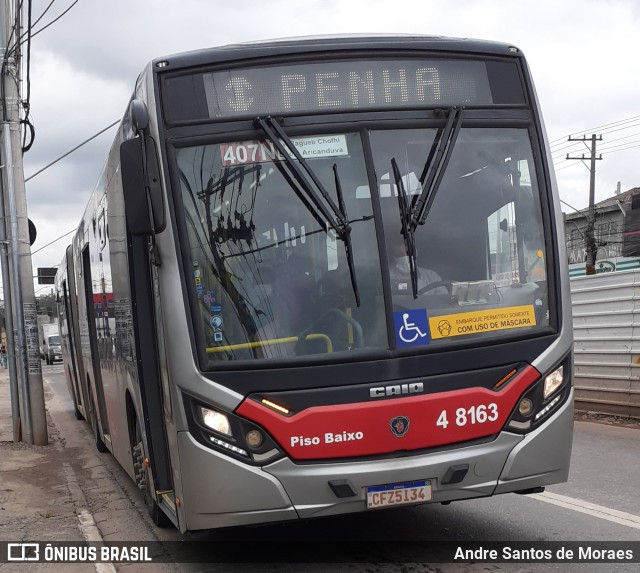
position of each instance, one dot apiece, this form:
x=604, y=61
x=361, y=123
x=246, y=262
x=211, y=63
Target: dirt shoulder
x=607, y=420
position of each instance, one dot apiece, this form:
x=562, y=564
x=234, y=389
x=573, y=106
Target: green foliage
x=47, y=305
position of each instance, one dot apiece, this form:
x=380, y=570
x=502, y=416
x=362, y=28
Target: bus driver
x=400, y=271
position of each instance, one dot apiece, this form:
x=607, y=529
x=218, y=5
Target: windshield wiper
x=406, y=229
x=348, y=247
x=415, y=213
x=434, y=168
x=307, y=183
x=304, y=175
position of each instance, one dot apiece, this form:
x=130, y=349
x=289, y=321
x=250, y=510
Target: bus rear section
x=357, y=296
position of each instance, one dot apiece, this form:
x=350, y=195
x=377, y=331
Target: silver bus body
x=336, y=412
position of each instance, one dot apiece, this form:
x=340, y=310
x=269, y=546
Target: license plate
x=398, y=494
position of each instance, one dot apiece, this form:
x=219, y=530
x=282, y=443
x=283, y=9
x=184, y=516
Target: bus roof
x=310, y=44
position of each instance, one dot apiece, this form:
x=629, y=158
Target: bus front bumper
x=222, y=492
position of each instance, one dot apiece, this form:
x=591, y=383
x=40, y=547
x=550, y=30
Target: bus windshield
x=270, y=277
x=480, y=259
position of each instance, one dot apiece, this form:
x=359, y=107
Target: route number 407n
x=473, y=415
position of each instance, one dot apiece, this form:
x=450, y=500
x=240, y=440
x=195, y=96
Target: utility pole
x=25, y=324
x=592, y=248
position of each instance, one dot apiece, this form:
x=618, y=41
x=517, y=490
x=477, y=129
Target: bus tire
x=99, y=442
x=143, y=477
x=76, y=411
x=72, y=390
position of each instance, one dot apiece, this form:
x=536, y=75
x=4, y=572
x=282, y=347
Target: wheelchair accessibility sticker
x=412, y=327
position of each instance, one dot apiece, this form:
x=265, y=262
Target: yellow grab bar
x=257, y=344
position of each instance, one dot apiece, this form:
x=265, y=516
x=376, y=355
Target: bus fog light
x=552, y=382
x=254, y=439
x=525, y=407
x=217, y=421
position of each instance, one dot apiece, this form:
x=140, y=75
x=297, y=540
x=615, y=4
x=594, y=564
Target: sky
x=583, y=55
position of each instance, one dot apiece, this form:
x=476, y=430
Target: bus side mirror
x=138, y=115
x=141, y=220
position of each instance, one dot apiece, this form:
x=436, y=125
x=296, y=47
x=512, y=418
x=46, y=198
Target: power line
x=26, y=102
x=9, y=49
x=607, y=151
x=43, y=13
x=606, y=132
x=581, y=212
x=557, y=153
x=29, y=34
x=559, y=149
x=566, y=166
x=598, y=128
x=54, y=241
x=560, y=159
x=623, y=149
x=621, y=128
x=625, y=137
x=72, y=150
x=613, y=147
x=556, y=169
x=52, y=21
x=562, y=151
x=607, y=126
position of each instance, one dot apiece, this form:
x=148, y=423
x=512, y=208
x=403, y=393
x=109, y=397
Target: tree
x=47, y=305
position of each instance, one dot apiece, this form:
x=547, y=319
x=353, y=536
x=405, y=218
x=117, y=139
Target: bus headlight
x=217, y=421
x=228, y=433
x=542, y=399
x=552, y=382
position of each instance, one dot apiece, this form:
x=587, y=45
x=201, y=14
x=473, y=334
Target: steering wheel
x=435, y=285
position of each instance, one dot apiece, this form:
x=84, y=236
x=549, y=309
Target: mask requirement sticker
x=482, y=321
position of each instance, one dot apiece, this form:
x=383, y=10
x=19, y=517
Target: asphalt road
x=599, y=503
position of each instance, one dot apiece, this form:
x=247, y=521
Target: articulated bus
x=324, y=275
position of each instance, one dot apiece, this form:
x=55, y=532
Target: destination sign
x=331, y=86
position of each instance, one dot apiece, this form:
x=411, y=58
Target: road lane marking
x=86, y=523
x=619, y=517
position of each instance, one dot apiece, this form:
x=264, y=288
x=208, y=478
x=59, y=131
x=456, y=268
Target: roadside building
x=616, y=233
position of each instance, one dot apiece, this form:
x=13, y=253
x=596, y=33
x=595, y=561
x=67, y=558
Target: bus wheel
x=100, y=445
x=72, y=390
x=143, y=477
x=76, y=412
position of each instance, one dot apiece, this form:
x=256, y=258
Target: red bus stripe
x=364, y=428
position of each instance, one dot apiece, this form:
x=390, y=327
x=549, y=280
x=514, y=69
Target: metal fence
x=606, y=328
